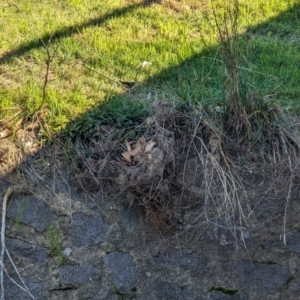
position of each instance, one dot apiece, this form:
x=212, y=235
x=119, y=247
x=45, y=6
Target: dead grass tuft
x=188, y=171
x=13, y=153
x=10, y=157
x=185, y=6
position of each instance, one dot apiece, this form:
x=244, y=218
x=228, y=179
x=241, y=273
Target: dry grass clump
x=12, y=153
x=139, y=171
x=10, y=157
x=187, y=170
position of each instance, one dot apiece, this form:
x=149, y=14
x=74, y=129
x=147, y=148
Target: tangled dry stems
x=232, y=175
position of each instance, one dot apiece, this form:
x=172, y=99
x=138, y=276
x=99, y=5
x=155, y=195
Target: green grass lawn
x=115, y=37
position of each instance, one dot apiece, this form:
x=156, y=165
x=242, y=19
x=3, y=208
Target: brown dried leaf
x=141, y=144
x=127, y=158
x=127, y=145
x=149, y=146
x=139, y=148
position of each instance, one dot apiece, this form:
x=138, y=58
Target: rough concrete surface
x=111, y=252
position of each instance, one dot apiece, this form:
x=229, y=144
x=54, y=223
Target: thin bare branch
x=7, y=195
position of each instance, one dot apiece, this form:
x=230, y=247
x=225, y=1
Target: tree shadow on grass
x=200, y=79
x=70, y=30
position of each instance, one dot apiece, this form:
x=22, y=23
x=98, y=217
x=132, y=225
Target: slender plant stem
x=8, y=193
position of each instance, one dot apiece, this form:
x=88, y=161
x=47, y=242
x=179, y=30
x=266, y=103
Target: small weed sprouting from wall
x=55, y=243
x=19, y=217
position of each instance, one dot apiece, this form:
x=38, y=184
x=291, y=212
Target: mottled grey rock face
x=88, y=230
x=102, y=295
x=75, y=275
x=166, y=291
x=141, y=264
x=229, y=237
x=292, y=242
x=266, y=278
x=129, y=218
x=27, y=251
x=32, y=211
x=162, y=290
x=13, y=292
x=121, y=266
x=180, y=259
x=217, y=295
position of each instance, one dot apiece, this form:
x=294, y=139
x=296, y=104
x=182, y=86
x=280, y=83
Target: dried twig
x=8, y=194
x=287, y=203
x=227, y=31
x=123, y=84
x=49, y=60
x=25, y=288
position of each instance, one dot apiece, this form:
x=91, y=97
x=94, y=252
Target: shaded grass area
x=177, y=37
